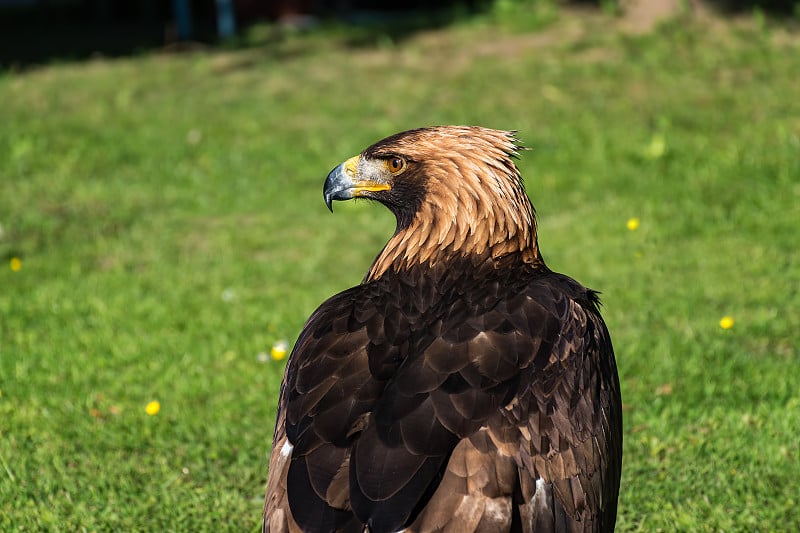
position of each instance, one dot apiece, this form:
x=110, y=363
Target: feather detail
x=475, y=201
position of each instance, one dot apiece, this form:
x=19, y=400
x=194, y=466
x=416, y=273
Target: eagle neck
x=438, y=235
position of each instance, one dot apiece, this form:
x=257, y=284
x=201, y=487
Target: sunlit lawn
x=162, y=227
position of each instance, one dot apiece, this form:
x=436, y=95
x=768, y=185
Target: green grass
x=167, y=211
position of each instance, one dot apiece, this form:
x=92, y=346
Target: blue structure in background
x=183, y=19
x=226, y=21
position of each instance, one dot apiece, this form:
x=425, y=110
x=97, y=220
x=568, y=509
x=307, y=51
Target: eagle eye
x=395, y=165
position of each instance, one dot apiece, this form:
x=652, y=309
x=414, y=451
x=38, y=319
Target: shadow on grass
x=39, y=36
x=34, y=37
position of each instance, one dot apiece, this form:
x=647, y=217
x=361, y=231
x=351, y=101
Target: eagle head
x=454, y=190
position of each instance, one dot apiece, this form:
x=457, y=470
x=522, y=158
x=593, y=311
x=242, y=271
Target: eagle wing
x=468, y=404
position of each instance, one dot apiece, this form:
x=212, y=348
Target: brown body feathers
x=463, y=386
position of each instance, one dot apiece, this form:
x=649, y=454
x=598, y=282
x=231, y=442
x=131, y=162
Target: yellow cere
x=633, y=224
x=15, y=264
x=351, y=165
x=278, y=351
x=726, y=322
x=152, y=408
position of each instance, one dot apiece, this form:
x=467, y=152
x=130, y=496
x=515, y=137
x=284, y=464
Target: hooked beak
x=342, y=183
x=339, y=183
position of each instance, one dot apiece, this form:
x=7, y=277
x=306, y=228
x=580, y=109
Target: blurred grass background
x=162, y=226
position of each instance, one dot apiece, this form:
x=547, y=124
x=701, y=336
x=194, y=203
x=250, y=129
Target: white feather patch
x=286, y=449
x=539, y=500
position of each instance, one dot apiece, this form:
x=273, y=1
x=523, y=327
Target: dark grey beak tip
x=337, y=187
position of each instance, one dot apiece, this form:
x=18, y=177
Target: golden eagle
x=462, y=386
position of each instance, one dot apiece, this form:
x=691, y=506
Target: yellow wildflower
x=633, y=223
x=15, y=264
x=152, y=408
x=657, y=147
x=726, y=322
x=278, y=351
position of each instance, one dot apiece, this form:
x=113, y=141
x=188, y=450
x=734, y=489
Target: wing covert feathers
x=467, y=398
